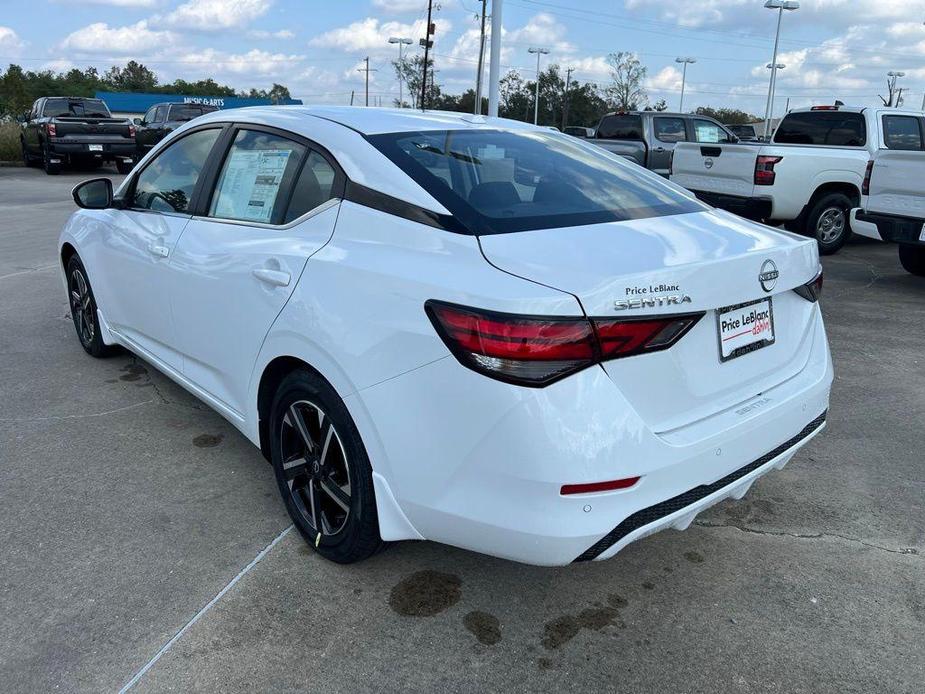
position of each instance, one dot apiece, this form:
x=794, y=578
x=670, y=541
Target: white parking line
x=176, y=637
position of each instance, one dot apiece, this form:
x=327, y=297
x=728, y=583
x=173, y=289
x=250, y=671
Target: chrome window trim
x=326, y=205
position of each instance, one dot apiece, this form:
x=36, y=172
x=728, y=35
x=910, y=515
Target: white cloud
x=541, y=30
x=254, y=62
x=100, y=38
x=666, y=79
x=399, y=6
x=217, y=15
x=114, y=3
x=372, y=35
x=283, y=34
x=10, y=43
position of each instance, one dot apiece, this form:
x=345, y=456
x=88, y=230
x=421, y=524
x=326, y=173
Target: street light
x=685, y=61
x=536, y=103
x=776, y=66
x=780, y=6
x=401, y=42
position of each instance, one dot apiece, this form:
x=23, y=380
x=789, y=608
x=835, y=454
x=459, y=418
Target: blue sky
x=832, y=48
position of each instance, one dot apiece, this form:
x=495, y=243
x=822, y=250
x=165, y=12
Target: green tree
x=134, y=77
x=278, y=93
x=729, y=116
x=627, y=75
x=411, y=71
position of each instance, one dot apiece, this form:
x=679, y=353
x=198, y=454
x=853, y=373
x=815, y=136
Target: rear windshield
x=497, y=182
x=832, y=128
x=88, y=108
x=189, y=111
x=620, y=128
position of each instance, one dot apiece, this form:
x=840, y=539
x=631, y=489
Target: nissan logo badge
x=708, y=163
x=768, y=275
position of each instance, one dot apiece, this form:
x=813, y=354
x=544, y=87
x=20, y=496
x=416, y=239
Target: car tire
x=322, y=469
x=829, y=222
x=912, y=258
x=27, y=159
x=83, y=310
x=124, y=167
x=52, y=169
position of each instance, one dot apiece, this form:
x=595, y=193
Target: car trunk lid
x=697, y=262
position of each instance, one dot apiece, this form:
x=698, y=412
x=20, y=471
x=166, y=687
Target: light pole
x=536, y=101
x=494, y=61
x=686, y=62
x=780, y=6
x=775, y=67
x=892, y=85
x=401, y=42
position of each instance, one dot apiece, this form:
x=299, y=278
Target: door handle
x=158, y=250
x=277, y=278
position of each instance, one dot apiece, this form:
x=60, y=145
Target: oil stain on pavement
x=425, y=593
x=207, y=440
x=563, y=629
x=484, y=626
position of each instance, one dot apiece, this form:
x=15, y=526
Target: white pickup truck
x=893, y=194
x=808, y=177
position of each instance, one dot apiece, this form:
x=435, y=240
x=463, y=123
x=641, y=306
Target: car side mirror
x=95, y=194
x=138, y=121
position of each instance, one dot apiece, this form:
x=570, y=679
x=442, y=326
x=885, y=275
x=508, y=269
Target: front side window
x=257, y=177
x=830, y=128
x=707, y=131
x=902, y=132
x=669, y=129
x=149, y=116
x=498, y=182
x=168, y=182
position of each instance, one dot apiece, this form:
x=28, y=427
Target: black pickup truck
x=162, y=119
x=61, y=130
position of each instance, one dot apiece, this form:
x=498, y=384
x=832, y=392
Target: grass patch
x=9, y=142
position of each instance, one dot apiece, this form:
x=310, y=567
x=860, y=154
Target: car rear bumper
x=485, y=472
x=110, y=149
x=750, y=208
x=891, y=228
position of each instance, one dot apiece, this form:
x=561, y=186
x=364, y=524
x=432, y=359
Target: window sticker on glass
x=250, y=184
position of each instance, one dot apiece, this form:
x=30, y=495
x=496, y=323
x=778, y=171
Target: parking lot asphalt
x=126, y=507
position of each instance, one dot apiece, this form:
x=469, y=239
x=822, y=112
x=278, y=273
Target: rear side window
x=313, y=187
x=168, y=182
x=902, y=132
x=496, y=181
x=707, y=131
x=183, y=112
x=620, y=127
x=256, y=177
x=832, y=128
x=669, y=129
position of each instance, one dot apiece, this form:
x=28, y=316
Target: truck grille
x=676, y=503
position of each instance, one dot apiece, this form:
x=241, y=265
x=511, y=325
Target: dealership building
x=135, y=104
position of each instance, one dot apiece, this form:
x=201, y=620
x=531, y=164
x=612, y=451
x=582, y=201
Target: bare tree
x=626, y=91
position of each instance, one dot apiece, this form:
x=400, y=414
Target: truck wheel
x=124, y=166
x=51, y=168
x=912, y=257
x=828, y=222
x=27, y=159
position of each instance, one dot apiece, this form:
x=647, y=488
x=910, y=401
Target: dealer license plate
x=743, y=328
x=95, y=148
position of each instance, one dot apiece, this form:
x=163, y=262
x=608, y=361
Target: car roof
x=367, y=121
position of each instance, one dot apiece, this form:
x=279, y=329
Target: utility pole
x=367, y=70
x=351, y=97
x=566, y=100
x=478, y=79
x=427, y=44
x=494, y=64
x=536, y=100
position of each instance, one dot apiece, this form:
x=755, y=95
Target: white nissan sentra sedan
x=463, y=329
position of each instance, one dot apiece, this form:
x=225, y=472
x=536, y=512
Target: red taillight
x=51, y=130
x=537, y=351
x=764, y=170
x=131, y=131
x=824, y=108
x=592, y=487
x=865, y=186
x=812, y=289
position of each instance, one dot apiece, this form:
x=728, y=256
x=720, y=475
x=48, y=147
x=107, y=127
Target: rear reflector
x=812, y=289
x=865, y=185
x=764, y=170
x=536, y=351
x=593, y=487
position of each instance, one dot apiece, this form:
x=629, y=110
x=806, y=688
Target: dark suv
x=162, y=119
x=67, y=129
